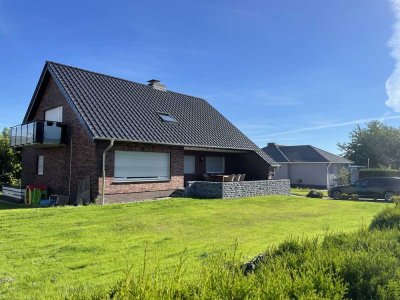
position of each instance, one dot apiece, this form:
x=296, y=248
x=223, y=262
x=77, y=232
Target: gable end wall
x=57, y=159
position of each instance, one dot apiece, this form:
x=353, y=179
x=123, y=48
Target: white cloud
x=331, y=125
x=393, y=82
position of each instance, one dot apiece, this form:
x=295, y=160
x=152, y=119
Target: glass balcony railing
x=46, y=133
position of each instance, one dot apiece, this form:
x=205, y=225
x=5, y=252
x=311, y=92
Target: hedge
x=379, y=173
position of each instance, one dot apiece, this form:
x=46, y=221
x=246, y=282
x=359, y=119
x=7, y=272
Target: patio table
x=219, y=178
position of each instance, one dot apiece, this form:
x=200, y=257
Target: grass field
x=46, y=252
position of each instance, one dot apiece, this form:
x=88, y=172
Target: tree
x=377, y=142
x=343, y=176
x=10, y=162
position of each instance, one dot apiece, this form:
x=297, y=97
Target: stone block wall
x=227, y=190
x=255, y=188
x=204, y=189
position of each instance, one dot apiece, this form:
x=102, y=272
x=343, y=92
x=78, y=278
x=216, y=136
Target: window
x=189, y=164
x=361, y=183
x=133, y=166
x=168, y=118
x=384, y=182
x=215, y=164
x=54, y=114
x=40, y=164
x=393, y=182
x=375, y=182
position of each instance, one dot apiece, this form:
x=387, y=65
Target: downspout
x=104, y=171
x=327, y=176
x=70, y=171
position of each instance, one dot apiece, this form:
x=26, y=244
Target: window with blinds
x=54, y=114
x=133, y=166
x=215, y=164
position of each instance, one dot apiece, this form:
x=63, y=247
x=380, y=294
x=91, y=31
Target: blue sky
x=287, y=71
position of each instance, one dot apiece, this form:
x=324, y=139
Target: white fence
x=13, y=193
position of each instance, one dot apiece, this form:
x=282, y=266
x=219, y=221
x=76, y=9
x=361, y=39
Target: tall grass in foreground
x=361, y=265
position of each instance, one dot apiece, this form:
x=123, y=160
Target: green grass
x=304, y=191
x=45, y=252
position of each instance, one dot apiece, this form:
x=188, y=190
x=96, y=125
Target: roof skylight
x=168, y=118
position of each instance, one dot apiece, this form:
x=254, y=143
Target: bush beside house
x=10, y=162
x=315, y=194
x=379, y=173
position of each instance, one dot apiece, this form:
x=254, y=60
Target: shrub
x=10, y=162
x=363, y=173
x=315, y=194
x=389, y=218
x=345, y=196
x=343, y=176
x=353, y=196
x=396, y=200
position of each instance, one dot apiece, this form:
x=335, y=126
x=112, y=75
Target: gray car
x=371, y=187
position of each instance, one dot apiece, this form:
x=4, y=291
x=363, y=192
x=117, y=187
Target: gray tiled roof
x=115, y=108
x=303, y=153
x=275, y=154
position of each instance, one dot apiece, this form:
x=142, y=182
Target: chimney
x=156, y=84
x=271, y=145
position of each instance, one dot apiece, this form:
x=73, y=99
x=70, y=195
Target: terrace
x=210, y=174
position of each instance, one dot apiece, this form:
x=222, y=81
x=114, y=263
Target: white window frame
x=126, y=169
x=40, y=164
x=57, y=111
x=192, y=164
x=215, y=171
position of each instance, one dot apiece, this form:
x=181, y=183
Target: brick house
x=146, y=140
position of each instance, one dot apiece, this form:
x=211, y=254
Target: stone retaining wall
x=226, y=190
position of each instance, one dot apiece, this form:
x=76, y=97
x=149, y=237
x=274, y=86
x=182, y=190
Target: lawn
x=45, y=252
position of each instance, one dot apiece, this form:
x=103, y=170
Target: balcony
x=38, y=133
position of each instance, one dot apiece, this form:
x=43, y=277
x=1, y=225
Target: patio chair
x=242, y=177
x=229, y=178
x=237, y=177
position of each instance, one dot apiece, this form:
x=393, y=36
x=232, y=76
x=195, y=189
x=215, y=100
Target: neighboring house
x=306, y=165
x=148, y=141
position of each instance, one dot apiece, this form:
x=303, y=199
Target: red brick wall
x=56, y=159
x=122, y=192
